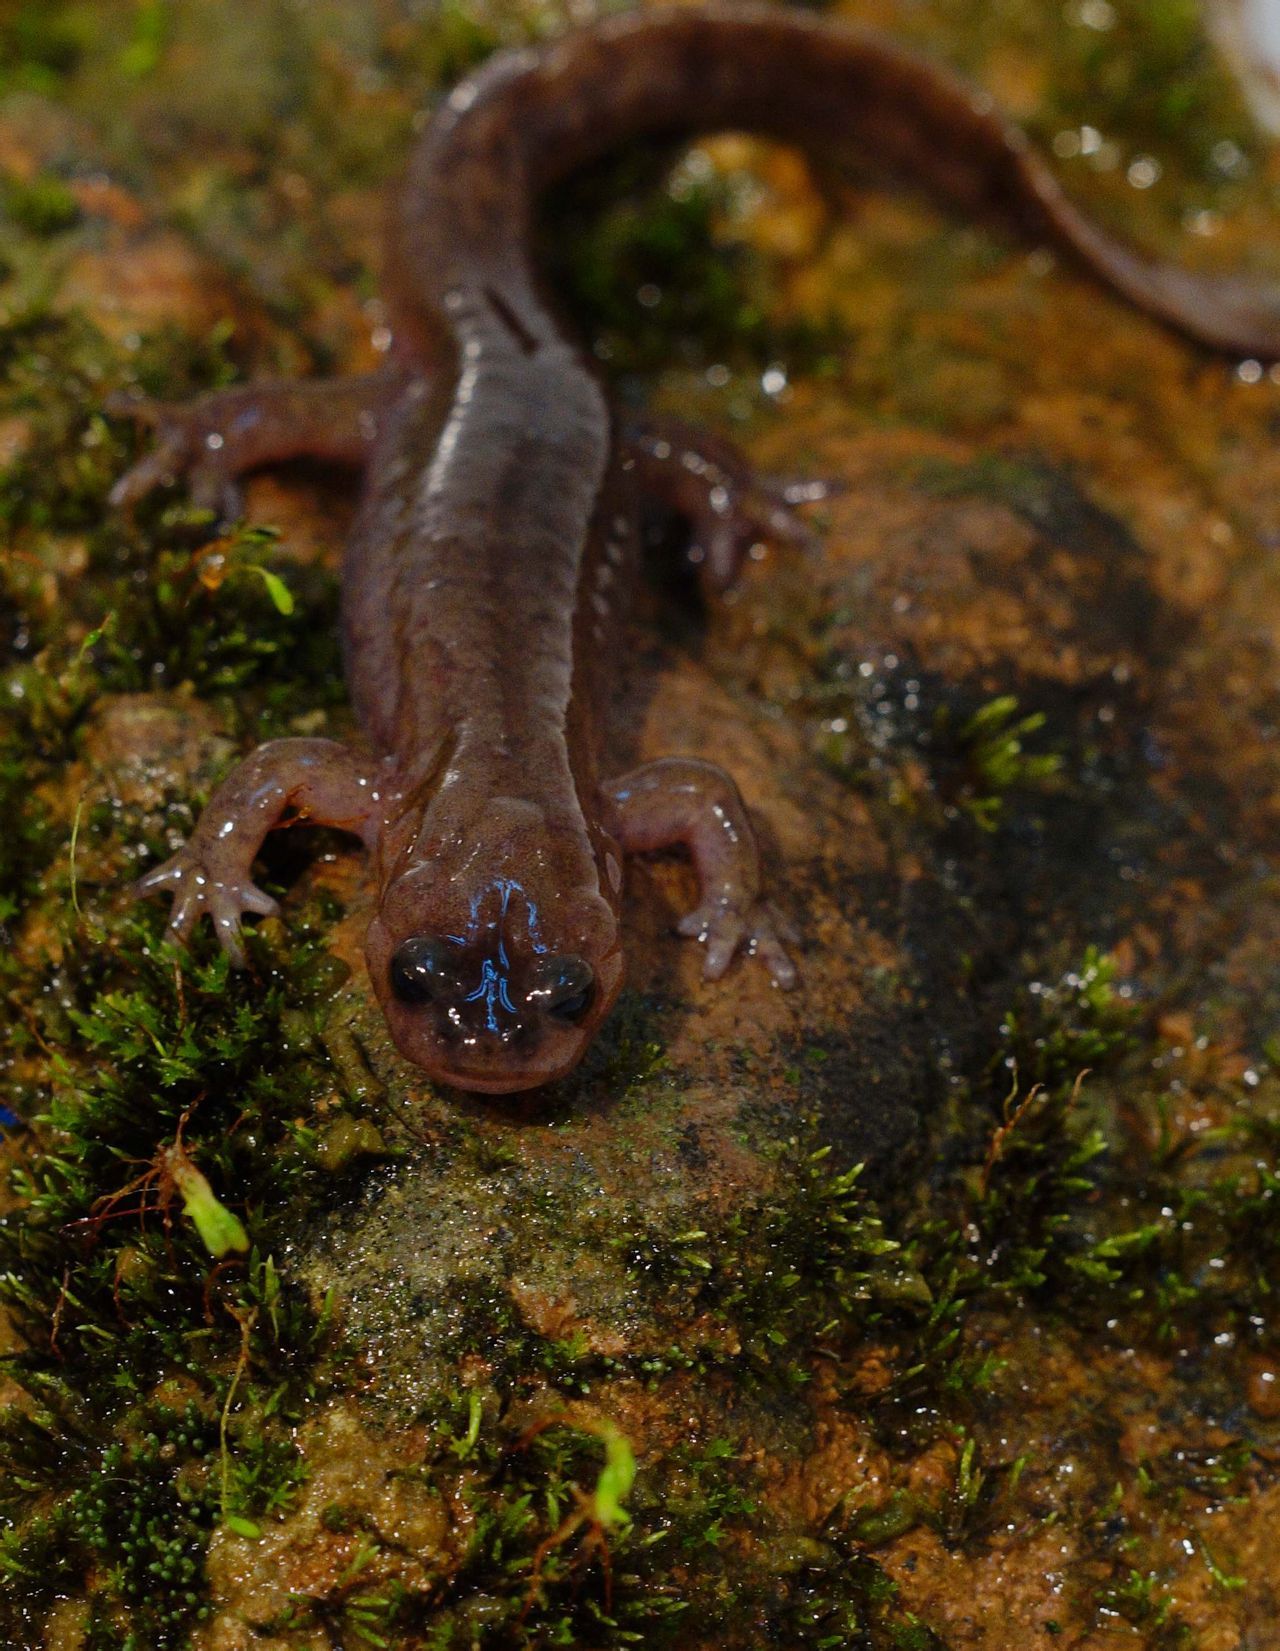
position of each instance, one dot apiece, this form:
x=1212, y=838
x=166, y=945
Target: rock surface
x=1011, y=739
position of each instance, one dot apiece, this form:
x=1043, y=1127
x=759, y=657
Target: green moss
x=157, y=604
x=151, y=27
x=1119, y=1534
x=1058, y=1029
x=1185, y=1248
x=697, y=1556
x=991, y=744
x=460, y=42
x=1138, y=1597
x=1159, y=80
x=135, y=1515
x=58, y=374
x=112, y=1293
x=1004, y=477
x=639, y=250
x=808, y=1268
x=29, y=841
x=535, y=1562
x=43, y=207
x=219, y=616
x=931, y=752
x=1144, y=73
x=41, y=42
x=773, y=1278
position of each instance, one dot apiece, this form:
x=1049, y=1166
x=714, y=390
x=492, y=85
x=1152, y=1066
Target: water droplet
x=1144, y=171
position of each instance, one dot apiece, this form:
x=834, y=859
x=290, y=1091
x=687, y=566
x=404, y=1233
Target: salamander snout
x=482, y=1016
x=425, y=970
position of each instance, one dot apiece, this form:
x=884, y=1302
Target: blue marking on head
x=493, y=990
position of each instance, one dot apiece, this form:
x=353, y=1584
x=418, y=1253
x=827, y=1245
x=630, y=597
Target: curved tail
x=530, y=116
x=1232, y=313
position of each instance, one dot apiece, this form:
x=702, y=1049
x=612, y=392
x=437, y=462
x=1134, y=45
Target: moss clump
x=992, y=750
x=138, y=1522
x=145, y=1072
x=1165, y=1246
x=784, y=1274
x=640, y=253
x=43, y=207
x=1154, y=71
x=155, y=604
x=461, y=40
x=127, y=1522
x=549, y=1558
x=59, y=372
x=1057, y=1029
x=114, y=1293
x=41, y=43
x=938, y=756
x=217, y=617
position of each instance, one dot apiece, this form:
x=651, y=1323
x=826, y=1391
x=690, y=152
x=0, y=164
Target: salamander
x=496, y=530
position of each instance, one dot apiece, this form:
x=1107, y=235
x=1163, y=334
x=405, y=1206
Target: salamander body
x=495, y=535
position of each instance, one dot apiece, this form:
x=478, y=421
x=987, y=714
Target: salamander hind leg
x=730, y=506
x=681, y=800
x=214, y=440
x=284, y=781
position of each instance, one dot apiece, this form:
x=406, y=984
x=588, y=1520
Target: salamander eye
x=565, y=988
x=572, y=1009
x=421, y=969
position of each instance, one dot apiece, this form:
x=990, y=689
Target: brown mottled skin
x=495, y=532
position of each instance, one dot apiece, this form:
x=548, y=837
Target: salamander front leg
x=283, y=782
x=683, y=800
x=215, y=439
x=729, y=506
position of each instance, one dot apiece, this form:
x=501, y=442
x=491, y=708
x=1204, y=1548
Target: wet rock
x=1011, y=743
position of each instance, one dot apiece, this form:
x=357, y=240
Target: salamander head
x=489, y=987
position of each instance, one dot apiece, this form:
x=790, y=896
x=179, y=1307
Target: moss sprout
x=994, y=740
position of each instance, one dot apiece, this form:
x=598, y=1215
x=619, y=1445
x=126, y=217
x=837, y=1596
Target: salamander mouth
x=501, y=1083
